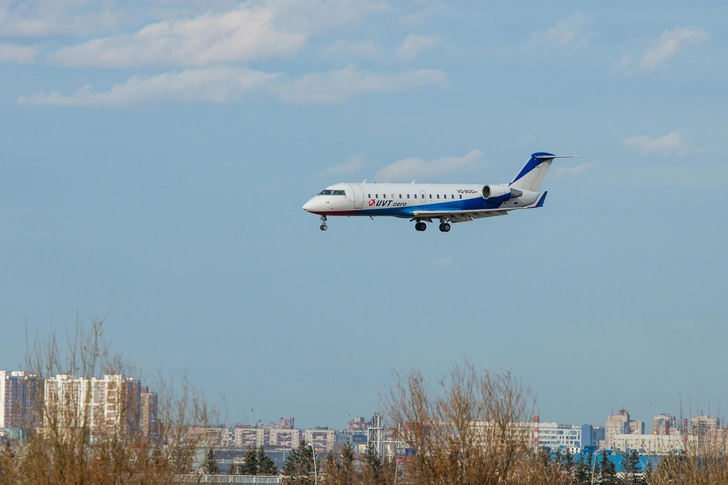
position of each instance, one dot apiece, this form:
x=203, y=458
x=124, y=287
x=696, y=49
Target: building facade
x=560, y=437
x=113, y=401
x=21, y=399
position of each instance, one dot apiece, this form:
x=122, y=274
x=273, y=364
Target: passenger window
x=438, y=196
x=408, y=196
x=369, y=196
x=430, y=196
x=400, y=196
x=415, y=196
x=376, y=196
x=461, y=196
x=452, y=196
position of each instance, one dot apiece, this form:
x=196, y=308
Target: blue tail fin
x=533, y=172
x=541, y=200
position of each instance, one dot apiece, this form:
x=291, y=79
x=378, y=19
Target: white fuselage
x=403, y=200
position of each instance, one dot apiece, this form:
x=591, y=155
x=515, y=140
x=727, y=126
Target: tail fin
x=534, y=171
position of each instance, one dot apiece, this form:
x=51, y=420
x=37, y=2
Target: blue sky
x=155, y=155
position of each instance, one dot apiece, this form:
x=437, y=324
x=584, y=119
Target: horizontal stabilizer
x=551, y=157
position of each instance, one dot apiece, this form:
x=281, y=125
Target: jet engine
x=500, y=193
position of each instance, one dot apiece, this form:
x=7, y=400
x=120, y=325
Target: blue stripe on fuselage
x=475, y=203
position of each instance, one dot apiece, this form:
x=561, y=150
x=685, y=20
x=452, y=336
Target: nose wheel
x=420, y=226
x=444, y=227
x=323, y=225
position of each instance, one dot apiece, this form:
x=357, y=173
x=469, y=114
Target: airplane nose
x=308, y=206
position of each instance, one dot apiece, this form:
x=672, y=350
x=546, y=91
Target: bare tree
x=474, y=427
x=86, y=419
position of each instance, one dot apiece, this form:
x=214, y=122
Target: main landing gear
x=323, y=226
x=444, y=226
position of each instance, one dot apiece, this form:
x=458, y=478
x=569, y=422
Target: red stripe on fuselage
x=336, y=213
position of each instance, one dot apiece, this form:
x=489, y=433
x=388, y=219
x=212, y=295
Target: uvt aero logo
x=380, y=203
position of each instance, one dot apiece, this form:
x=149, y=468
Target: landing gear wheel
x=444, y=226
x=420, y=226
x=323, y=227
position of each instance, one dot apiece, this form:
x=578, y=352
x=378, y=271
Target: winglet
x=540, y=201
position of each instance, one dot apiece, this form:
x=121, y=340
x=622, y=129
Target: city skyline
x=19, y=409
x=154, y=159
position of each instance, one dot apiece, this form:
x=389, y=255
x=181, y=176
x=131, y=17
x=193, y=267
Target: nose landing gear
x=323, y=226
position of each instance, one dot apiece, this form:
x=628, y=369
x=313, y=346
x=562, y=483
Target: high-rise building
x=703, y=423
x=111, y=401
x=616, y=424
x=149, y=414
x=636, y=426
x=665, y=424
x=619, y=424
x=286, y=423
x=21, y=399
x=322, y=439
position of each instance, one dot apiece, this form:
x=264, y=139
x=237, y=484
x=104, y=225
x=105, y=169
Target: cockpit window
x=333, y=192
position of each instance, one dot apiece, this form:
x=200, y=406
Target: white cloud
x=311, y=16
x=416, y=168
x=353, y=165
x=414, y=44
x=41, y=18
x=224, y=84
x=670, y=43
x=243, y=32
x=338, y=86
x=446, y=261
x=424, y=9
x=240, y=35
x=665, y=47
x=346, y=48
x=18, y=53
x=574, y=171
x=671, y=144
x=572, y=31
x=216, y=84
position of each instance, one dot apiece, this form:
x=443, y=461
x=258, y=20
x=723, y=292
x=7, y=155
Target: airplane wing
x=460, y=216
x=469, y=215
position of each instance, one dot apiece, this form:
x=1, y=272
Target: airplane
x=448, y=203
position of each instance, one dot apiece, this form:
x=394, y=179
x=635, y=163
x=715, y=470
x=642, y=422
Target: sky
x=155, y=155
